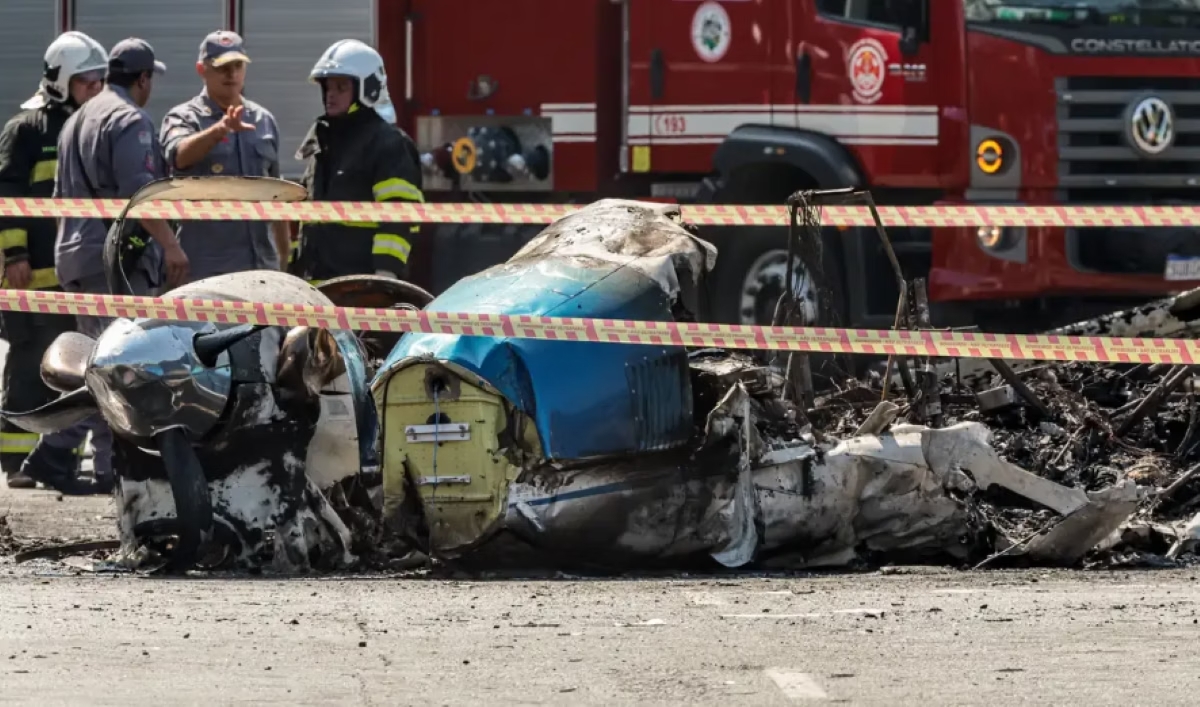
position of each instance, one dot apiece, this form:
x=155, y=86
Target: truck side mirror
x=908, y=41
x=913, y=17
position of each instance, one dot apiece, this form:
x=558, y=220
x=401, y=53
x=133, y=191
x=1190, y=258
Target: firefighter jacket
x=357, y=157
x=28, y=163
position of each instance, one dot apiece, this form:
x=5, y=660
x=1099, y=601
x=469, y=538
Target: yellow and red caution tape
x=699, y=214
x=811, y=339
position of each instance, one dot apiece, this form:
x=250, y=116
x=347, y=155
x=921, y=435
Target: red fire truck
x=745, y=101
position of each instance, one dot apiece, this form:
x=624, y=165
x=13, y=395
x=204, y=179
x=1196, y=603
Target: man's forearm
x=283, y=241
x=193, y=148
x=160, y=232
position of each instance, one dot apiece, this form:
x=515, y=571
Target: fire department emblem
x=867, y=68
x=711, y=31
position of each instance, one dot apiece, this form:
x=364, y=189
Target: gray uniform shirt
x=119, y=150
x=220, y=247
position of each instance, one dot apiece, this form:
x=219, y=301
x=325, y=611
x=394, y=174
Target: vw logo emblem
x=1151, y=125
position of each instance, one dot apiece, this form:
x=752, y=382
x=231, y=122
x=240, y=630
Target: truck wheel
x=765, y=281
x=751, y=275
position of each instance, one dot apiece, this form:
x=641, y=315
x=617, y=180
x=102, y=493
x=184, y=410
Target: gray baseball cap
x=133, y=56
x=222, y=47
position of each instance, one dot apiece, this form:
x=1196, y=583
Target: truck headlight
x=999, y=238
x=990, y=237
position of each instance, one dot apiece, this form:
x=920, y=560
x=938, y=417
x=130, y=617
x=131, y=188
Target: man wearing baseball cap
x=108, y=149
x=219, y=132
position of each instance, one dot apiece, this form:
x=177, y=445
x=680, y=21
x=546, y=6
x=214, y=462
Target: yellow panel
x=459, y=511
x=641, y=158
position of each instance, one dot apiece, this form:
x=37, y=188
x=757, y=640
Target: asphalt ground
x=73, y=633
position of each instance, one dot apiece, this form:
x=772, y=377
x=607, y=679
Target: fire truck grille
x=1130, y=251
x=1094, y=149
x=1098, y=164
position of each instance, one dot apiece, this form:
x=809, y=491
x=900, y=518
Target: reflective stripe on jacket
x=28, y=163
x=358, y=157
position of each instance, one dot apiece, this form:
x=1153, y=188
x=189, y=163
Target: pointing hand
x=232, y=122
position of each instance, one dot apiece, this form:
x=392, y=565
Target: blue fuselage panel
x=586, y=398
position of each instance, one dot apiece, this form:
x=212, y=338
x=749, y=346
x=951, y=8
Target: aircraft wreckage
x=251, y=446
x=231, y=443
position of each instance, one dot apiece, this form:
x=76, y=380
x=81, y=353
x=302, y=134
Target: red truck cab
x=1089, y=103
x=745, y=101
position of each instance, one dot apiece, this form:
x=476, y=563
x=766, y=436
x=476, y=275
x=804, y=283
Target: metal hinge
x=450, y=432
x=439, y=480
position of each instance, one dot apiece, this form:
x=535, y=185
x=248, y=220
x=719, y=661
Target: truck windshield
x=1113, y=13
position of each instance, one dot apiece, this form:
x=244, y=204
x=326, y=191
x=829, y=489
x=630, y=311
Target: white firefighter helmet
x=356, y=60
x=70, y=54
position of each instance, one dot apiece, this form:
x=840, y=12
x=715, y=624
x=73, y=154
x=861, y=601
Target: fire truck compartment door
x=698, y=70
x=865, y=91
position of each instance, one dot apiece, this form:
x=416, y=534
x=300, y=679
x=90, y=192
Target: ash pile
x=1101, y=461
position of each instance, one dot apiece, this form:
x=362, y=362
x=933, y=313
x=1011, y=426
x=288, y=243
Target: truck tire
x=751, y=270
x=751, y=274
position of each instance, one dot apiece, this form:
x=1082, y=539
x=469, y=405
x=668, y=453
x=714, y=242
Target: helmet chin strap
x=67, y=104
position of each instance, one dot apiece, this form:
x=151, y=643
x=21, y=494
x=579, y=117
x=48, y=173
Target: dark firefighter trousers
x=29, y=335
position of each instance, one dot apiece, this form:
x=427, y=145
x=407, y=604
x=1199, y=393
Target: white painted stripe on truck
x=852, y=126
x=568, y=107
x=888, y=140
x=710, y=124
x=780, y=108
x=713, y=140
x=571, y=122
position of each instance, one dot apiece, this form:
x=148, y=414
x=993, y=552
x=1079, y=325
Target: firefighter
x=73, y=72
x=354, y=154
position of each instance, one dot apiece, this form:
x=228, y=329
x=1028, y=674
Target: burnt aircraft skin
x=230, y=441
x=480, y=433
x=246, y=431
x=527, y=453
x=504, y=450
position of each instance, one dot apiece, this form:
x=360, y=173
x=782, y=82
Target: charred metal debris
x=1126, y=435
x=494, y=451
x=764, y=459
